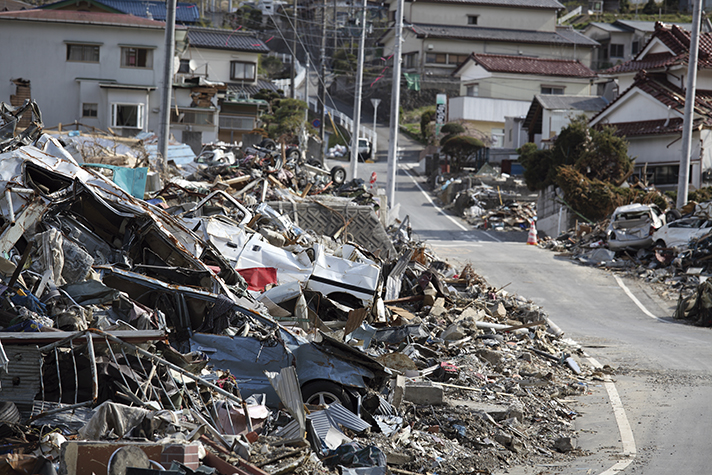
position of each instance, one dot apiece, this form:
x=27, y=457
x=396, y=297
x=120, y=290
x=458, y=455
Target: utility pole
x=322, y=79
x=357, y=95
x=395, y=102
x=293, y=95
x=374, y=102
x=307, y=66
x=684, y=172
x=335, y=26
x=164, y=130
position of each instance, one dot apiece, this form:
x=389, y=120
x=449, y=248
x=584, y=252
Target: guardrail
x=347, y=122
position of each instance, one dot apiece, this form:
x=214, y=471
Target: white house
x=650, y=106
x=493, y=87
x=221, y=64
x=102, y=70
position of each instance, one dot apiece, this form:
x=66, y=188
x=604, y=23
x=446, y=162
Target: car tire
x=269, y=144
x=338, y=175
x=314, y=162
x=324, y=393
x=672, y=215
x=292, y=154
x=660, y=243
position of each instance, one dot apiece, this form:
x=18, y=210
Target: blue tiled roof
x=185, y=12
x=225, y=39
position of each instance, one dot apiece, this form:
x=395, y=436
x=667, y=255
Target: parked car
x=680, y=232
x=632, y=226
x=365, y=151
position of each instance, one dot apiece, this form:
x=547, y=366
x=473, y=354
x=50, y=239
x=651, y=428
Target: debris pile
x=486, y=201
x=196, y=330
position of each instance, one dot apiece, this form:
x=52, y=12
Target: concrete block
x=424, y=394
x=453, y=332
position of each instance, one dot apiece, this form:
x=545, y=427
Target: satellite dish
x=192, y=65
x=176, y=65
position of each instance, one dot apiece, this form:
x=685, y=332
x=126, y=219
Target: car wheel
x=323, y=393
x=293, y=154
x=660, y=243
x=338, y=175
x=314, y=162
x=672, y=214
x=269, y=144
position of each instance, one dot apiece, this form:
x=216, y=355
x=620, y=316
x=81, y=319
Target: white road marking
x=440, y=210
x=635, y=299
x=627, y=439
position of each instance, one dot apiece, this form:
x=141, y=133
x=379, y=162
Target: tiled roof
x=71, y=16
x=534, y=117
x=185, y=12
x=225, y=39
x=507, y=3
x=250, y=89
x=562, y=36
x=526, y=65
x=581, y=103
x=675, y=38
x=669, y=95
x=648, y=127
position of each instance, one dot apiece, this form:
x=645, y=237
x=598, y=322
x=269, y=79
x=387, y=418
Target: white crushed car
x=632, y=226
x=680, y=232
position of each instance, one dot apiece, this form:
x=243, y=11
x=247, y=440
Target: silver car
x=632, y=226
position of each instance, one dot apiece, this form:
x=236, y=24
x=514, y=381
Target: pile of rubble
x=487, y=201
x=198, y=331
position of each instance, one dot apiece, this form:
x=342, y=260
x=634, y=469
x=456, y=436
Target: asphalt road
x=663, y=370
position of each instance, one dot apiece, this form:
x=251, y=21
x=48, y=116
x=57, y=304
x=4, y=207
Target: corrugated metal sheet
x=286, y=384
x=21, y=383
x=338, y=415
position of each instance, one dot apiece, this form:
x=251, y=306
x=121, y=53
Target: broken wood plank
x=412, y=298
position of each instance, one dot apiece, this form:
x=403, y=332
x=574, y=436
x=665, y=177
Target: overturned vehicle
x=79, y=252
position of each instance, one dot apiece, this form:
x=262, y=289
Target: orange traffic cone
x=531, y=239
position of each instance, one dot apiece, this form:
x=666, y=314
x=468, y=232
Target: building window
x=240, y=70
x=616, y=51
x=472, y=90
x=457, y=59
x=497, y=138
x=444, y=58
x=552, y=90
x=90, y=110
x=436, y=58
x=127, y=115
x=83, y=53
x=472, y=19
x=192, y=117
x=410, y=60
x=228, y=122
x=136, y=58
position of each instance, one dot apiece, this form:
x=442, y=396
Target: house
x=649, y=114
x=620, y=41
x=649, y=110
x=439, y=35
x=549, y=114
x=225, y=62
x=101, y=70
x=494, y=86
x=666, y=53
x=186, y=13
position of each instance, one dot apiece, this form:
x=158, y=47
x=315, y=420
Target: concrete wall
x=552, y=218
x=484, y=109
x=214, y=64
x=487, y=16
x=37, y=50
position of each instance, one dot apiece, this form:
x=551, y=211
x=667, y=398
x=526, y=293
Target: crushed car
x=632, y=226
